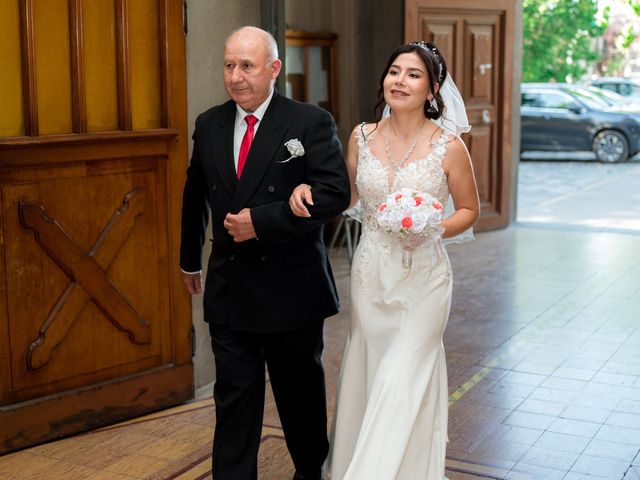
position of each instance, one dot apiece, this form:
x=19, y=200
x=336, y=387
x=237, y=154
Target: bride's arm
x=302, y=196
x=352, y=163
x=462, y=186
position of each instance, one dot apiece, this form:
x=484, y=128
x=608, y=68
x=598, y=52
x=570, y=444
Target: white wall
x=368, y=30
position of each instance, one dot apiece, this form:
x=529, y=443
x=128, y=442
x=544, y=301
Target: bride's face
x=406, y=86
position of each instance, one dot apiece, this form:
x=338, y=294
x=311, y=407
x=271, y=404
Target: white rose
x=408, y=201
x=295, y=147
x=382, y=218
x=435, y=218
x=394, y=218
x=420, y=220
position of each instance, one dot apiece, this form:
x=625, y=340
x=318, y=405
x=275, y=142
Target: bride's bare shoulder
x=457, y=154
x=457, y=146
x=453, y=142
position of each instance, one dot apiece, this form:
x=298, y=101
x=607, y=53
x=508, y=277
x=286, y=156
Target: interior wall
x=368, y=30
x=209, y=23
x=337, y=17
x=382, y=33
x=310, y=15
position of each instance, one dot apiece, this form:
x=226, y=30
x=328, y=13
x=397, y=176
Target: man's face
x=248, y=73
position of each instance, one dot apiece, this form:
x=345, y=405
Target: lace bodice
x=375, y=180
x=378, y=251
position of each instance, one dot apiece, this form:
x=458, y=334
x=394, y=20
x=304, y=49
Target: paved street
x=580, y=193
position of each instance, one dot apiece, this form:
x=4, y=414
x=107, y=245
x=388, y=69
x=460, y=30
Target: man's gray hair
x=270, y=45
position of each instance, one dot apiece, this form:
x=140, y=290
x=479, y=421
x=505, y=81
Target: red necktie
x=246, y=142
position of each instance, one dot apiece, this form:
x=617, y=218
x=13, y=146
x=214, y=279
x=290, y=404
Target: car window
x=550, y=99
x=530, y=99
x=588, y=98
x=612, y=98
x=608, y=86
x=624, y=89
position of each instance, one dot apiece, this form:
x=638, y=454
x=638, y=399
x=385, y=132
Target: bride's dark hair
x=436, y=71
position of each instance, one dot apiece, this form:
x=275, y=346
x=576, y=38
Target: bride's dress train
x=391, y=409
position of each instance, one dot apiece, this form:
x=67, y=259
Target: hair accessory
x=434, y=51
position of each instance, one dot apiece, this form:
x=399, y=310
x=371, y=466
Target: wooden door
x=477, y=41
x=94, y=322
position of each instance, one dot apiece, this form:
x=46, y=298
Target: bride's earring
x=434, y=105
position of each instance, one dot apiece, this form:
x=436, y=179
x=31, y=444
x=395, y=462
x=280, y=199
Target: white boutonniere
x=295, y=149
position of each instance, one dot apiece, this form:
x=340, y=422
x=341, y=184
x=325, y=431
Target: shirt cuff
x=192, y=273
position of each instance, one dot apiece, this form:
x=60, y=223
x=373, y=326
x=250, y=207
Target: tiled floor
x=543, y=350
x=550, y=320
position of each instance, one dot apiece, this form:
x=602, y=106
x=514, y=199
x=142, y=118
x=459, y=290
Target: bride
x=391, y=408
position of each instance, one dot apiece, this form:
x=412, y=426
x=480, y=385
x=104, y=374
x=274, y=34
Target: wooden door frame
x=509, y=119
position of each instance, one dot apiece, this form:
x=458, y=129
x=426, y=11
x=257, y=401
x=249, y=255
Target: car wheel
x=611, y=146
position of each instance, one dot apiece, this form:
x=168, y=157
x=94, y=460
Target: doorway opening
x=579, y=193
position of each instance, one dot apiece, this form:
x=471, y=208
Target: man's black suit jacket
x=281, y=280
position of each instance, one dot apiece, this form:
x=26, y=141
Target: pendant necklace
x=387, y=148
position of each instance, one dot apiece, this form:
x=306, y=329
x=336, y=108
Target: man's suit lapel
x=222, y=146
x=268, y=139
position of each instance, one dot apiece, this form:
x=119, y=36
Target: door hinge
x=192, y=339
x=185, y=18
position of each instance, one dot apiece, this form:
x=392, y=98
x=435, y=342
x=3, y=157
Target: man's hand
x=240, y=226
x=300, y=198
x=193, y=281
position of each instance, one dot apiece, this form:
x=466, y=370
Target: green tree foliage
x=631, y=32
x=635, y=5
x=559, y=39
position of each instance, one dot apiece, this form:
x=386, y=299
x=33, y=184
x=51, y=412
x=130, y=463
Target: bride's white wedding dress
x=391, y=408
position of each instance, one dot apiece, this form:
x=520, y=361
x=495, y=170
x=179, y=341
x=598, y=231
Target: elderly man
x=269, y=285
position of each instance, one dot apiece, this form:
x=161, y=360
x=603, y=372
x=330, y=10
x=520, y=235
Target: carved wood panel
x=481, y=88
x=443, y=32
x=92, y=275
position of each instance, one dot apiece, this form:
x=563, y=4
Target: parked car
x=563, y=117
x=613, y=99
x=610, y=97
x=625, y=86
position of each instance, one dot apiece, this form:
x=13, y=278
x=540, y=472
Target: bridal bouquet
x=412, y=216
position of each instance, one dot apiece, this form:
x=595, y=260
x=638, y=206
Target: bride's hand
x=301, y=195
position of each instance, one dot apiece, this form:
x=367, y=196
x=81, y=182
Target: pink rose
x=418, y=200
x=407, y=222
